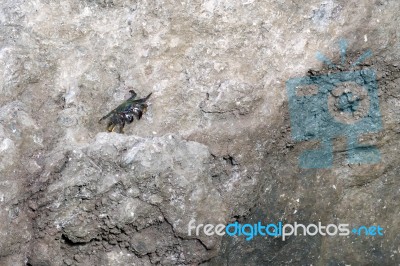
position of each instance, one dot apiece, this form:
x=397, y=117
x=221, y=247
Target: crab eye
x=137, y=112
x=129, y=118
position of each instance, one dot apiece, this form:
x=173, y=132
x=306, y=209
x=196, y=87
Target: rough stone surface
x=214, y=146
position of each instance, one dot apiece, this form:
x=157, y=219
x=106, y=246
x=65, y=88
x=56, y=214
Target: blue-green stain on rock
x=312, y=118
x=347, y=103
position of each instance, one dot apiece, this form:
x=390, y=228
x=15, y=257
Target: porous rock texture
x=214, y=146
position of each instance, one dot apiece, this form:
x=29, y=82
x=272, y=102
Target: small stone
x=78, y=258
x=68, y=261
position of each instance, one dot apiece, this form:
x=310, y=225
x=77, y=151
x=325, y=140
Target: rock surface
x=215, y=145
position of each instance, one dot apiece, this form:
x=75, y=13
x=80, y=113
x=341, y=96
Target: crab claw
x=133, y=94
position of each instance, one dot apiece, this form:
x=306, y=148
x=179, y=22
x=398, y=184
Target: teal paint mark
x=311, y=119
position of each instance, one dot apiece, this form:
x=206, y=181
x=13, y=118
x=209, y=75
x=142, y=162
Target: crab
x=126, y=112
